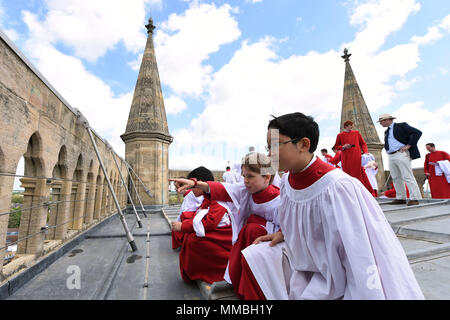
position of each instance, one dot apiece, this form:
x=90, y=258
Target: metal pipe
x=128, y=193
x=135, y=190
x=130, y=238
x=145, y=188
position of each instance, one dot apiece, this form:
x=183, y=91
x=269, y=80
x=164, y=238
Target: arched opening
x=35, y=189
x=89, y=195
x=57, y=196
x=98, y=195
x=76, y=195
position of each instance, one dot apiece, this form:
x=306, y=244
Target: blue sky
x=226, y=66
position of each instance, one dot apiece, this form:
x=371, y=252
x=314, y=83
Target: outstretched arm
x=182, y=185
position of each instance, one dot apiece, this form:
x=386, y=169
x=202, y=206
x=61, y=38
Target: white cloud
x=91, y=28
x=379, y=19
x=185, y=42
x=174, y=105
x=83, y=91
x=12, y=34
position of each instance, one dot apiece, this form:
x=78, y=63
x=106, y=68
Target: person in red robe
x=439, y=186
x=336, y=160
x=391, y=193
x=326, y=157
x=350, y=142
x=191, y=202
x=207, y=236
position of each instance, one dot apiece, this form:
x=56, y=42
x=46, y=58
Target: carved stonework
x=147, y=128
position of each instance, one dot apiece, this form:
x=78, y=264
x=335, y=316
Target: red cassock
x=391, y=193
x=336, y=159
x=298, y=181
x=205, y=258
x=440, y=188
x=351, y=158
x=253, y=228
x=177, y=236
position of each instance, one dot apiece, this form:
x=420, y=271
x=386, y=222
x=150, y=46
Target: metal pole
x=145, y=188
x=128, y=193
x=134, y=186
x=111, y=189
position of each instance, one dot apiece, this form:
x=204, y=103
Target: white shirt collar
x=310, y=163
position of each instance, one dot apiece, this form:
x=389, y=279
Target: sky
x=227, y=66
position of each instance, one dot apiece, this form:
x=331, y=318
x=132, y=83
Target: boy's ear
x=304, y=144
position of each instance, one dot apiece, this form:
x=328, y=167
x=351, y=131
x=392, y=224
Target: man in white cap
x=400, y=142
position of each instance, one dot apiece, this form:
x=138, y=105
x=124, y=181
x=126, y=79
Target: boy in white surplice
x=335, y=242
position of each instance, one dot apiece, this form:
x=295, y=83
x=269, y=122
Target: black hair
x=324, y=150
x=431, y=144
x=297, y=126
x=228, y=168
x=201, y=174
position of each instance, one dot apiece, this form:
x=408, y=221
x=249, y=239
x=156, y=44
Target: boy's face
x=197, y=192
x=254, y=182
x=323, y=153
x=288, y=153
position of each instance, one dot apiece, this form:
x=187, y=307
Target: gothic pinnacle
x=150, y=26
x=346, y=55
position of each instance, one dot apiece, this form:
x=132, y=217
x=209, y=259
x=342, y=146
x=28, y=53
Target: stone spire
x=147, y=116
x=147, y=137
x=354, y=108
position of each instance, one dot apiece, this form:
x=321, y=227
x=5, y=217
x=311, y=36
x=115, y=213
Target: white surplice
x=338, y=245
x=190, y=203
x=243, y=205
x=368, y=161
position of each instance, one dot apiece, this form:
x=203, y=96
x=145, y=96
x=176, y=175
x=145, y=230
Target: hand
x=176, y=226
x=403, y=149
x=346, y=146
x=182, y=185
x=274, y=238
x=427, y=174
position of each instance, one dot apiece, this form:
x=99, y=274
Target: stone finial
x=346, y=55
x=150, y=26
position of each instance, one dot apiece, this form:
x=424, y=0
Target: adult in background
x=400, y=142
x=229, y=176
x=439, y=186
x=351, y=143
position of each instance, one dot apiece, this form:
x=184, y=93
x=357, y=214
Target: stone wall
x=61, y=167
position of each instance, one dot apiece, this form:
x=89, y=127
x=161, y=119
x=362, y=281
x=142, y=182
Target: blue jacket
x=406, y=134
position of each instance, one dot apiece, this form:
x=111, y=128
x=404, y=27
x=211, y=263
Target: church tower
x=147, y=137
x=354, y=108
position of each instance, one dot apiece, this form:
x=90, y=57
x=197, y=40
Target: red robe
x=391, y=193
x=205, y=258
x=177, y=236
x=440, y=188
x=298, y=181
x=336, y=159
x=253, y=229
x=351, y=158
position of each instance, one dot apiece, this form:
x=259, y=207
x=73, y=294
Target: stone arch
x=98, y=194
x=61, y=168
x=36, y=192
x=90, y=195
x=77, y=195
x=60, y=194
x=34, y=164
